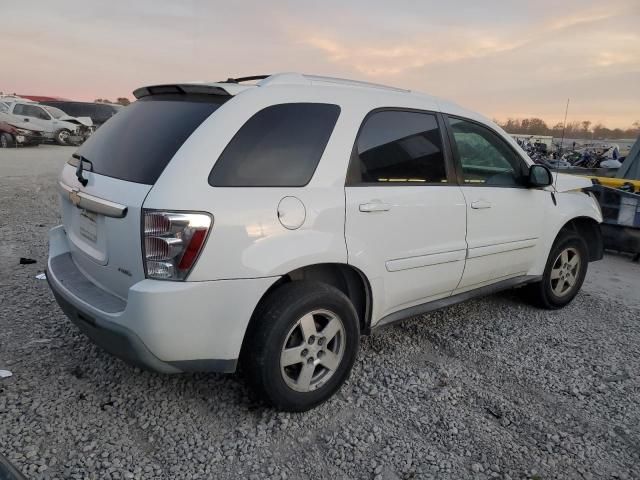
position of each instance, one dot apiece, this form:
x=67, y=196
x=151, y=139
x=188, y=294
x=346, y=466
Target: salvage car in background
x=98, y=112
x=56, y=124
x=13, y=132
x=13, y=136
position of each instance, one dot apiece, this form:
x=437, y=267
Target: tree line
x=579, y=129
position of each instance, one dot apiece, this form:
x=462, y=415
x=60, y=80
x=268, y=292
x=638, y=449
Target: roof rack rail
x=245, y=79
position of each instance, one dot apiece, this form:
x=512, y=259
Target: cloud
x=389, y=57
x=582, y=18
x=398, y=58
x=494, y=56
x=531, y=62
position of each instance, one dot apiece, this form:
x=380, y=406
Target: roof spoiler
x=183, y=88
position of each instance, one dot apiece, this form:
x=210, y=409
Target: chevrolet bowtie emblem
x=74, y=196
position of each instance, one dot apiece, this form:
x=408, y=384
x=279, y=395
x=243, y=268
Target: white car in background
x=273, y=224
x=56, y=124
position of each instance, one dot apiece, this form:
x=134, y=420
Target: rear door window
x=279, y=146
x=138, y=143
x=398, y=147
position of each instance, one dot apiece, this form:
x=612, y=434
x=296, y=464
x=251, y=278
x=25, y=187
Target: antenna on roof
x=564, y=127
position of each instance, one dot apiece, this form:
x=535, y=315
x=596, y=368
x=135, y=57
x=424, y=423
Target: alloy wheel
x=312, y=350
x=565, y=271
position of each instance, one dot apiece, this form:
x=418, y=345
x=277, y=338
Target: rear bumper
x=115, y=339
x=168, y=327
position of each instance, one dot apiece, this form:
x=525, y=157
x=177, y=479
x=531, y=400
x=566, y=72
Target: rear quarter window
x=139, y=141
x=280, y=146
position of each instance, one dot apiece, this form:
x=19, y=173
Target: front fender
x=568, y=206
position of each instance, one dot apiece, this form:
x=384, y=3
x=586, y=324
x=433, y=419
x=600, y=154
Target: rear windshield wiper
x=80, y=169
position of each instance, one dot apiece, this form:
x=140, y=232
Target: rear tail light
x=172, y=242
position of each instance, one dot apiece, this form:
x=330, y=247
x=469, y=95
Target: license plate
x=88, y=226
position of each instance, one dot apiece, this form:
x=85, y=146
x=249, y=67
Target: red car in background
x=13, y=136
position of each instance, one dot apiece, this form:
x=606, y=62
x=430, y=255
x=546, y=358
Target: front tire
x=563, y=275
x=62, y=137
x=302, y=346
x=6, y=140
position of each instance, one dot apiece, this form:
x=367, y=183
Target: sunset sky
x=502, y=58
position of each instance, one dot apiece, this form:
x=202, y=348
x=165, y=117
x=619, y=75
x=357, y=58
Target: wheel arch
x=348, y=279
x=589, y=230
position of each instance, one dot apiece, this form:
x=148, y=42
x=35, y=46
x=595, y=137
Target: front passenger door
x=504, y=215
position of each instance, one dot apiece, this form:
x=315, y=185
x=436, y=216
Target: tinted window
x=99, y=112
x=30, y=111
x=277, y=147
x=396, y=147
x=76, y=109
x=102, y=113
x=485, y=157
x=138, y=142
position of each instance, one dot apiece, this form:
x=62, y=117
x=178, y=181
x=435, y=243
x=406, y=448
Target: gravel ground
x=488, y=389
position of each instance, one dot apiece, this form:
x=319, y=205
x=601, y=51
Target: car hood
x=563, y=182
x=86, y=121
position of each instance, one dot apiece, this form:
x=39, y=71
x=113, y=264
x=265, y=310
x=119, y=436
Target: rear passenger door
x=405, y=213
x=504, y=215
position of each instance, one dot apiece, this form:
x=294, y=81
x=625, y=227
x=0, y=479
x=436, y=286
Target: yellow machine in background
x=619, y=199
x=627, y=185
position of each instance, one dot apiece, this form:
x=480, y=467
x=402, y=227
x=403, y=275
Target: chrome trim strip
x=504, y=247
x=92, y=203
x=430, y=259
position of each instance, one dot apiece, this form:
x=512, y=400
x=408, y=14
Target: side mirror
x=540, y=176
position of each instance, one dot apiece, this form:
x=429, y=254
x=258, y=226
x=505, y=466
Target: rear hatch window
x=138, y=143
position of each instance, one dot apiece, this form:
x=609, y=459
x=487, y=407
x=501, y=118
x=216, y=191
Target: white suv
x=274, y=223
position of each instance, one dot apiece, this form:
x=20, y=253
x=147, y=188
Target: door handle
x=374, y=207
x=480, y=204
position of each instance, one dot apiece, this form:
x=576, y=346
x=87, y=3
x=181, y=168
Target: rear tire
x=6, y=140
x=302, y=346
x=563, y=275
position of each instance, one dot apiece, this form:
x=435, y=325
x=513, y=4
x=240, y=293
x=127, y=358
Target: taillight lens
x=172, y=242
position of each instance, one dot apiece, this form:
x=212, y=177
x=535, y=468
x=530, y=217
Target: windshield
x=55, y=112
